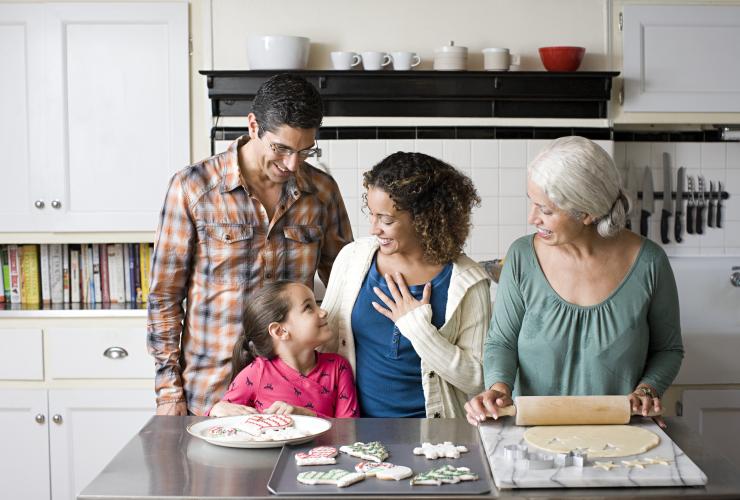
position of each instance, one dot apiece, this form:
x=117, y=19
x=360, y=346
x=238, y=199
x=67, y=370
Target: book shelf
x=92, y=279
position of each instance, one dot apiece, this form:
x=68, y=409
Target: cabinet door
x=22, y=105
x=87, y=428
x=118, y=78
x=681, y=58
x=715, y=416
x=22, y=355
x=24, y=463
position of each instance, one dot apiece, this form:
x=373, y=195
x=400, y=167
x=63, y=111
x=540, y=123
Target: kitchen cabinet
x=715, y=416
x=87, y=389
x=98, y=116
x=681, y=58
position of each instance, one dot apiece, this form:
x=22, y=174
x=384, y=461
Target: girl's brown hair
x=268, y=305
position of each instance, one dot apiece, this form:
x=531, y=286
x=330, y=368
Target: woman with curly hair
x=408, y=309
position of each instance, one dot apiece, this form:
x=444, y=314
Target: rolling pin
x=570, y=410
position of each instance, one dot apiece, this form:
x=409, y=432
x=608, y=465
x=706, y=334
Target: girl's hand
x=402, y=301
x=283, y=408
x=645, y=399
x=224, y=409
x=487, y=403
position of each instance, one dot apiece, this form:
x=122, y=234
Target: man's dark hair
x=288, y=100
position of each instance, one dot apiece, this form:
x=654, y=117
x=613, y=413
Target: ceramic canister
x=451, y=57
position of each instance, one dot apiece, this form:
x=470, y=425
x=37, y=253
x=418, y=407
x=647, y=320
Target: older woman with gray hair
x=583, y=306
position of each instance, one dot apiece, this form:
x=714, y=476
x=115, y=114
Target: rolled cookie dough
x=600, y=441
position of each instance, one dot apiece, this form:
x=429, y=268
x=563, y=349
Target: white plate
x=311, y=426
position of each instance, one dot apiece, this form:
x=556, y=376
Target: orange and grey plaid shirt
x=215, y=246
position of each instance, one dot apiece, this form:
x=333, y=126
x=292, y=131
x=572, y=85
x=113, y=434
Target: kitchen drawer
x=22, y=354
x=82, y=353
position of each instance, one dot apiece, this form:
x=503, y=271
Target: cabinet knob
x=39, y=204
x=40, y=418
x=115, y=353
x=57, y=419
x=56, y=204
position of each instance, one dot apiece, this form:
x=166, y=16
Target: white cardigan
x=451, y=366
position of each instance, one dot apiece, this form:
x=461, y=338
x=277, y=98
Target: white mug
x=345, y=60
x=404, y=61
x=374, y=61
x=499, y=59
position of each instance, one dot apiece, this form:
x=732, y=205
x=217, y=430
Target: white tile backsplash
x=512, y=153
x=498, y=169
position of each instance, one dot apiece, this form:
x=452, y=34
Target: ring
x=644, y=391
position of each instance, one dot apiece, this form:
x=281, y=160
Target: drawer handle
x=115, y=353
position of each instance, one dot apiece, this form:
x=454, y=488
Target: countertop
x=164, y=462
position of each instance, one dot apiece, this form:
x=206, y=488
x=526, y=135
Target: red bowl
x=561, y=58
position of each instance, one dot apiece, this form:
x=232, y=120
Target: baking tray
x=400, y=447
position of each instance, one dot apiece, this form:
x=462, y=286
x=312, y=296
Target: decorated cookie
x=374, y=451
x=445, y=474
x=219, y=431
x=338, y=477
x=441, y=450
x=280, y=434
x=321, y=455
x=384, y=470
x=258, y=424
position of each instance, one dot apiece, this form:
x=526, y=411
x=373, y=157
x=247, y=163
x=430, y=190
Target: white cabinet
x=25, y=441
x=681, y=58
x=87, y=428
x=99, y=113
x=715, y=416
x=70, y=398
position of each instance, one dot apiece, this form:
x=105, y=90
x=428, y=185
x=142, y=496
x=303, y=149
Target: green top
x=559, y=348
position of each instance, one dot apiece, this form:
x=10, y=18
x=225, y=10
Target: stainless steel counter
x=164, y=462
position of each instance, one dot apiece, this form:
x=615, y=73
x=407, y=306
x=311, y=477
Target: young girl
x=275, y=367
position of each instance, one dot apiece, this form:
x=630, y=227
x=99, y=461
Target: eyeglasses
x=285, y=152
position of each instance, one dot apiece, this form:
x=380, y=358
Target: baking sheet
x=682, y=471
x=400, y=452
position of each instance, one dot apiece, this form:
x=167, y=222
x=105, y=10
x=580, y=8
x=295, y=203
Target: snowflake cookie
x=373, y=451
x=338, y=477
x=441, y=450
x=445, y=474
x=384, y=470
x=321, y=455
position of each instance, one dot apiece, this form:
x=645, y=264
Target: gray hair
x=581, y=178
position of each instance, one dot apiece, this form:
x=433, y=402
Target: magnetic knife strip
x=697, y=201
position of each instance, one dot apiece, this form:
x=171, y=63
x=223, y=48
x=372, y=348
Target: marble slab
x=508, y=474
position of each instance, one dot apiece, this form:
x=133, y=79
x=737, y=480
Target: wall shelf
x=485, y=95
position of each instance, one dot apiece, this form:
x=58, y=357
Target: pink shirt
x=328, y=389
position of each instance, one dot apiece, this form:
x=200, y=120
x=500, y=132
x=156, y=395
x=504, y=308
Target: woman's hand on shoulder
x=645, y=400
x=401, y=300
x=488, y=403
x=283, y=408
x=224, y=409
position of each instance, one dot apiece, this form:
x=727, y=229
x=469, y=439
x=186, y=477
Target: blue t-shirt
x=387, y=367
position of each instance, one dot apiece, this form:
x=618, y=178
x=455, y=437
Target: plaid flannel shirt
x=215, y=246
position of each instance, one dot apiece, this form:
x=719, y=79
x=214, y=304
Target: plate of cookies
x=259, y=430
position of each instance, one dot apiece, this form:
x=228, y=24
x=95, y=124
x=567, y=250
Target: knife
x=667, y=199
x=630, y=189
x=719, y=203
x=648, y=204
x=691, y=207
x=700, y=204
x=678, y=228
x=710, y=205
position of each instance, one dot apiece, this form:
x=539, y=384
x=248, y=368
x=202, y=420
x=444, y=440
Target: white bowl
x=277, y=51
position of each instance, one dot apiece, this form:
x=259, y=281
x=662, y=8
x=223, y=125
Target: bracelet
x=645, y=391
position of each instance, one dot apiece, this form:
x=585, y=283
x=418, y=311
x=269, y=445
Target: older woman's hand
x=645, y=399
x=403, y=301
x=488, y=403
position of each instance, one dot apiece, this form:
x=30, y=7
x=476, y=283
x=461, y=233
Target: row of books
x=93, y=273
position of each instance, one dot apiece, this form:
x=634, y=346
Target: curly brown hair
x=438, y=197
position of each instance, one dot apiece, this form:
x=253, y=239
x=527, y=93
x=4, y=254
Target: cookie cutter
x=540, y=461
x=515, y=452
x=580, y=456
x=564, y=459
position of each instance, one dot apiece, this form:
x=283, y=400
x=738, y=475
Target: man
x=231, y=223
